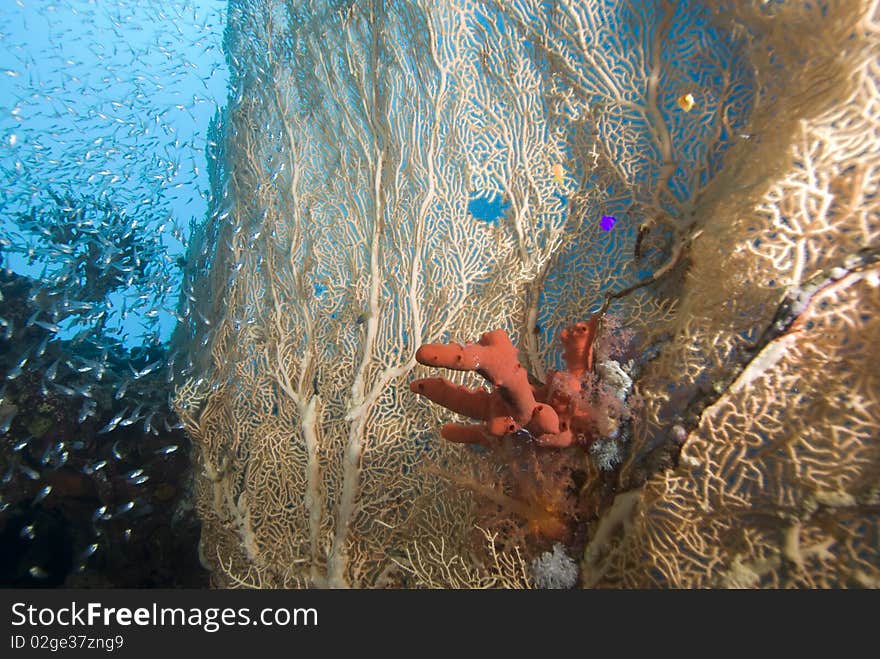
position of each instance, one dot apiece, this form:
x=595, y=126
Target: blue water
x=107, y=104
x=104, y=114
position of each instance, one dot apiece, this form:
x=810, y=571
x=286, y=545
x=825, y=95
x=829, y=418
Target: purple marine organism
x=607, y=222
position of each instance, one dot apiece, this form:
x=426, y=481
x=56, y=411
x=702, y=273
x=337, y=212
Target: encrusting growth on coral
x=550, y=450
x=554, y=414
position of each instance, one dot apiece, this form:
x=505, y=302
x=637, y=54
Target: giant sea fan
x=743, y=264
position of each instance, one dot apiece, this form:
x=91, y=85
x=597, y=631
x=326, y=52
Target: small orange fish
x=558, y=173
x=686, y=102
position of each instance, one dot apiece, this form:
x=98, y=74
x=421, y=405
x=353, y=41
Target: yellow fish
x=558, y=173
x=686, y=102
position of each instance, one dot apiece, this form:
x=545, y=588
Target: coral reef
x=738, y=444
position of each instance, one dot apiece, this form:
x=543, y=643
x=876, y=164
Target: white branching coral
x=554, y=569
x=614, y=378
x=607, y=453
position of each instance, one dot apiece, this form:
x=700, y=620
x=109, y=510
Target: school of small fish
x=105, y=110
